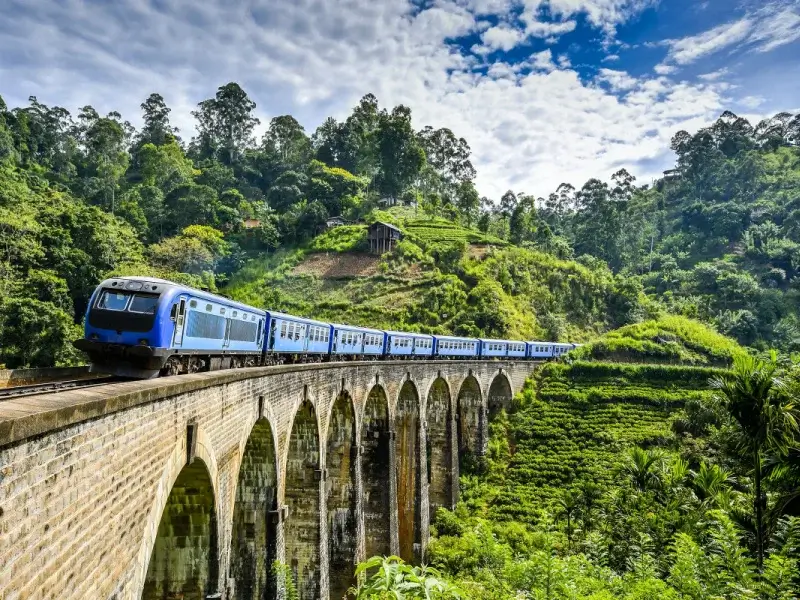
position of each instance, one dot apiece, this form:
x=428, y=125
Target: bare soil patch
x=332, y=265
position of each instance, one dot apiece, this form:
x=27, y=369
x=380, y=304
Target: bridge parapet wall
x=86, y=475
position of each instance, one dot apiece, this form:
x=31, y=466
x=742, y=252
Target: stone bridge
x=191, y=487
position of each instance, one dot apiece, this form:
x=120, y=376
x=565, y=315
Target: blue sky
x=545, y=91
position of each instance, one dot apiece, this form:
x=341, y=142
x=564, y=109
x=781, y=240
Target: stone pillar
x=482, y=446
x=324, y=569
x=422, y=474
x=394, y=533
x=455, y=489
x=359, y=491
x=278, y=517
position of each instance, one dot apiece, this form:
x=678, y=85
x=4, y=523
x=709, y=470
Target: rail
x=50, y=387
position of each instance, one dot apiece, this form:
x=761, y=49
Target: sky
x=544, y=91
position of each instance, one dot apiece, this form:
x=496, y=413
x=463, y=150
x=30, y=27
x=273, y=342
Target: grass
x=670, y=339
x=572, y=424
x=443, y=231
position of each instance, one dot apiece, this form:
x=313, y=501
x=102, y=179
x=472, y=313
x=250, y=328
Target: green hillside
x=611, y=480
x=441, y=278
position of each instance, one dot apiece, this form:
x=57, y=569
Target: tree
x=400, y=155
x=448, y=155
x=328, y=143
x=198, y=248
x=104, y=141
x=468, y=202
x=225, y=124
x=157, y=129
x=762, y=418
x=286, y=142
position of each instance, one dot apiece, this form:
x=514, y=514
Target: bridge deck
x=30, y=416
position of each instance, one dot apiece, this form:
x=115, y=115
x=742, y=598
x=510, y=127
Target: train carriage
x=349, y=340
x=400, y=344
x=289, y=335
x=540, y=349
x=517, y=349
x=560, y=349
x=493, y=348
x=446, y=346
x=142, y=327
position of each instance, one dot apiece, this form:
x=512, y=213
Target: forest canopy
x=84, y=195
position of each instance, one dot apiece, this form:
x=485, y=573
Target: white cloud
x=605, y=14
x=687, y=50
x=542, y=61
x=775, y=24
x=714, y=75
x=530, y=128
x=619, y=81
x=778, y=27
x=563, y=61
x=542, y=29
x=663, y=69
x=751, y=102
x=501, y=37
x=611, y=58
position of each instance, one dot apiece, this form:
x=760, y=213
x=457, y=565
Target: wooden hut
x=382, y=237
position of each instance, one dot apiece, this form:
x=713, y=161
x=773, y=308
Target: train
x=143, y=327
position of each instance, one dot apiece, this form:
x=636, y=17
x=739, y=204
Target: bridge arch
x=439, y=450
x=172, y=470
x=407, y=426
x=302, y=497
x=470, y=424
x=500, y=394
x=376, y=473
x=254, y=544
x=341, y=495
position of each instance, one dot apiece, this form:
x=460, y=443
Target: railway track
x=51, y=387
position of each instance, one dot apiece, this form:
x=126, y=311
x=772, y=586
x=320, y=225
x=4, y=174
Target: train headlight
x=94, y=336
x=144, y=342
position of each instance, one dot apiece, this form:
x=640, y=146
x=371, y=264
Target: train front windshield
x=124, y=310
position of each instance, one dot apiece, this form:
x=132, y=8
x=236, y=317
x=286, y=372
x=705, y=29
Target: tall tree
x=763, y=419
x=157, y=129
x=104, y=141
x=286, y=142
x=225, y=124
x=400, y=154
x=449, y=155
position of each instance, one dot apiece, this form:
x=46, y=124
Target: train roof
x=355, y=328
x=409, y=333
x=280, y=315
x=456, y=338
x=505, y=341
x=181, y=288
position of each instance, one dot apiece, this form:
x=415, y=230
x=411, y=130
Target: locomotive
x=143, y=327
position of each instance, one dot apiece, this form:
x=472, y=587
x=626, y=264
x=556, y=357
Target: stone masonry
x=192, y=486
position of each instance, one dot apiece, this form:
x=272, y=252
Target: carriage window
x=208, y=307
x=113, y=300
x=144, y=303
x=283, y=329
x=235, y=313
x=193, y=303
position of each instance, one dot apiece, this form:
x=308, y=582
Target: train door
x=260, y=334
x=227, y=340
x=180, y=319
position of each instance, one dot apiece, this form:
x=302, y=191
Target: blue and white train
x=143, y=327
